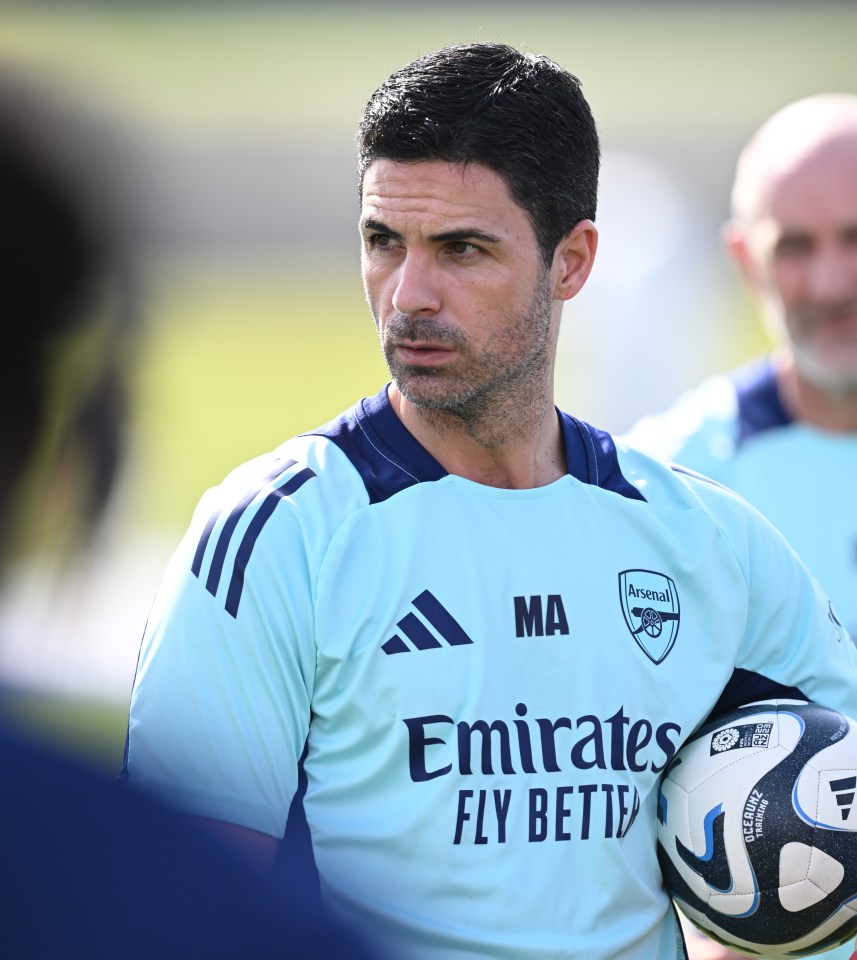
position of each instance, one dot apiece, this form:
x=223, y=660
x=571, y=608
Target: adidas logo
x=421, y=637
x=844, y=791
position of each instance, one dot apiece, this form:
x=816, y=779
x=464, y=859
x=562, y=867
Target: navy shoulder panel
x=390, y=459
x=591, y=457
x=385, y=454
x=759, y=404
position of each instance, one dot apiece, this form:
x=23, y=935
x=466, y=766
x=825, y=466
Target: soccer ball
x=757, y=828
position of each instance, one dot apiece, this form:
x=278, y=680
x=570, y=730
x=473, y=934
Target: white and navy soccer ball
x=757, y=829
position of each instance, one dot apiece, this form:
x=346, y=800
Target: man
x=783, y=431
x=433, y=595
x=91, y=870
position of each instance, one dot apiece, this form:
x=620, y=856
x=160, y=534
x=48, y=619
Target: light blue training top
x=488, y=682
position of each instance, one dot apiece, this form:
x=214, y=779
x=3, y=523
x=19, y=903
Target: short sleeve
x=221, y=701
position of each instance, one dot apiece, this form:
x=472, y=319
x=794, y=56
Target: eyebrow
x=449, y=236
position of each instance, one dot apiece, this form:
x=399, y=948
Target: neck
x=835, y=411
x=515, y=444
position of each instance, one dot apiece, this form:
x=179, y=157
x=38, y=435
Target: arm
x=221, y=701
x=791, y=638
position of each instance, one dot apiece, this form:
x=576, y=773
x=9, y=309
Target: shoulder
x=362, y=456
x=597, y=457
x=291, y=501
x=664, y=481
x=306, y=481
x=329, y=468
x=677, y=505
x=669, y=487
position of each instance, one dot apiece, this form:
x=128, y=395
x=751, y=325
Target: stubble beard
x=493, y=394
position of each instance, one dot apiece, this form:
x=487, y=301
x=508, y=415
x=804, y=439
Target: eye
x=380, y=242
x=793, y=245
x=463, y=249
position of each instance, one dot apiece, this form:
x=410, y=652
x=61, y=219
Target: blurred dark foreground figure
x=91, y=868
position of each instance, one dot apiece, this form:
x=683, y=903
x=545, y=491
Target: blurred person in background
x=417, y=602
x=782, y=430
x=89, y=868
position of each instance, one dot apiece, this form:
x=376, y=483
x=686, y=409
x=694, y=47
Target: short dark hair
x=519, y=114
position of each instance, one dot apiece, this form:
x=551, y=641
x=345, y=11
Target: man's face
x=461, y=300
x=802, y=257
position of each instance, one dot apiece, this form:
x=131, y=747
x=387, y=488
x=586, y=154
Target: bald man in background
x=782, y=430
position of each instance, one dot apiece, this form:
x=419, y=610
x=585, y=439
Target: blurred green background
x=241, y=118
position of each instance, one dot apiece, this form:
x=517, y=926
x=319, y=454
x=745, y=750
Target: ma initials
x=536, y=619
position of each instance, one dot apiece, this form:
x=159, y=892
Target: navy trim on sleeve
x=744, y=686
x=759, y=404
x=261, y=514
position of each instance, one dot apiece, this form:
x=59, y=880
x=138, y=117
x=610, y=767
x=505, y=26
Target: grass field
x=235, y=366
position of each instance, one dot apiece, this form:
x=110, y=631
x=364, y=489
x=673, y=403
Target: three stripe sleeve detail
x=263, y=512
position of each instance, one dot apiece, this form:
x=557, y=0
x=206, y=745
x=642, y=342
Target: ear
x=734, y=236
x=573, y=259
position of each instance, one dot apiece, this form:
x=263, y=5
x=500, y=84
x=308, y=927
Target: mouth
x=423, y=354
x=834, y=318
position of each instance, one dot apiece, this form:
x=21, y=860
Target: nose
x=416, y=284
x=834, y=274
